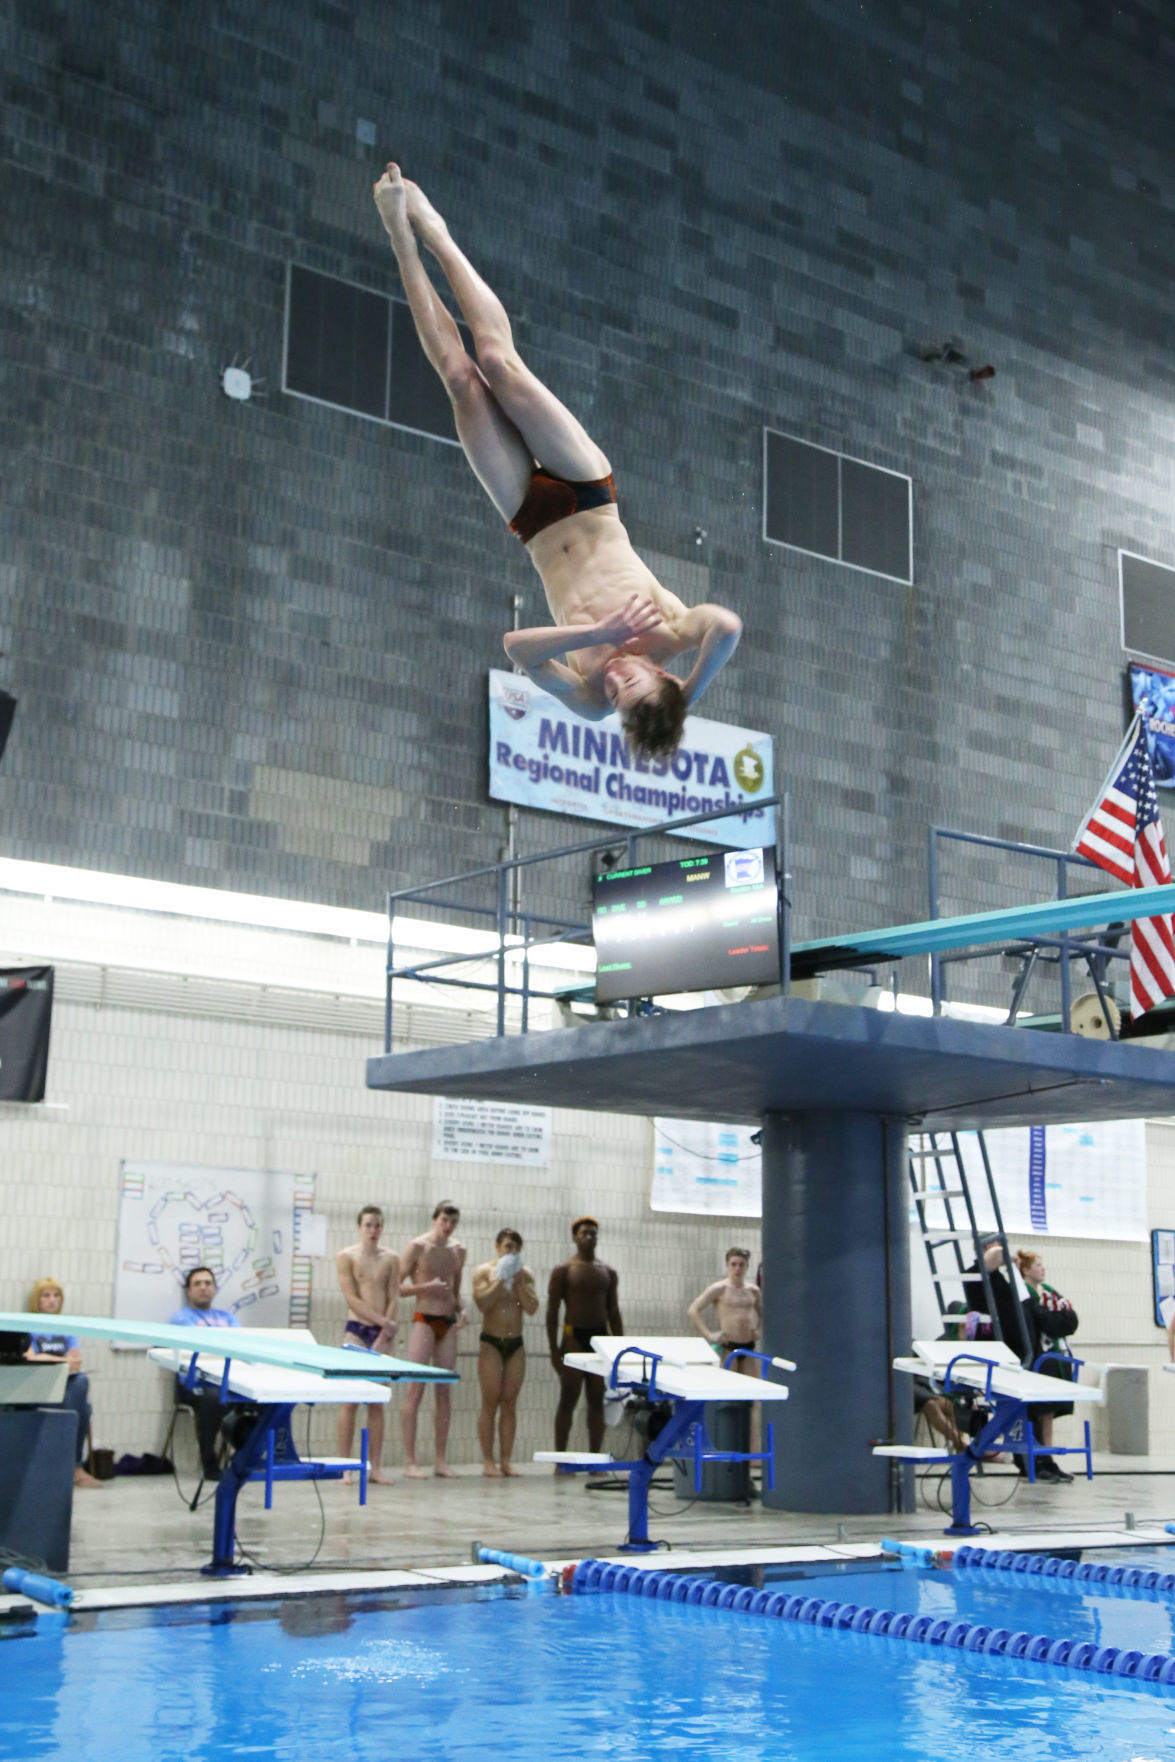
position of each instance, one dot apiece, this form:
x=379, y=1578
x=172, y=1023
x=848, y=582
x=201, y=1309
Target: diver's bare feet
x=425, y=221
x=491, y=1471
x=382, y=1476
x=82, y=1478
x=391, y=200
x=415, y=1473
x=445, y=1473
x=509, y=1469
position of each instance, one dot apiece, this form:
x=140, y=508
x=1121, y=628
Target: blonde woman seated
x=48, y=1299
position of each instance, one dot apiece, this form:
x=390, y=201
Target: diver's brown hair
x=655, y=726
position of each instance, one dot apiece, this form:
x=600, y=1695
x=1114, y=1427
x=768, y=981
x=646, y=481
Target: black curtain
x=26, y=1007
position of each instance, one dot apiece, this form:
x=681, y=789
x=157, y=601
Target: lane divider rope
x=928, y=1630
x=1141, y=1580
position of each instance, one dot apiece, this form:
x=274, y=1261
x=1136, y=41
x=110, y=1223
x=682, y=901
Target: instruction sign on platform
x=490, y=1131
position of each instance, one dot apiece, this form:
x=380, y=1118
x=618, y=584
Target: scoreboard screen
x=694, y=925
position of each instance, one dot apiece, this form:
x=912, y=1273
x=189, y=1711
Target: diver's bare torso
x=588, y=569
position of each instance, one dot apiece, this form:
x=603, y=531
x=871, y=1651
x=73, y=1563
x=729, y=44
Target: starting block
x=268, y=1454
x=273, y=1369
x=990, y=1369
x=683, y=1375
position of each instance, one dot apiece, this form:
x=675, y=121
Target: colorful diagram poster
x=247, y=1225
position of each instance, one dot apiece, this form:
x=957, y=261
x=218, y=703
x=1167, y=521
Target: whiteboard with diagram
x=251, y=1226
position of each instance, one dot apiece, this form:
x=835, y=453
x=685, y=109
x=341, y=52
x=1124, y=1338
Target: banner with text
x=542, y=755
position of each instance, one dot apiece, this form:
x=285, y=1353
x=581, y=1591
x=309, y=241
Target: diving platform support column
x=836, y=1300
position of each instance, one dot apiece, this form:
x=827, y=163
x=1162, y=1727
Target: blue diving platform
x=737, y=1062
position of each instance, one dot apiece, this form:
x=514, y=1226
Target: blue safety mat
x=533, y=1676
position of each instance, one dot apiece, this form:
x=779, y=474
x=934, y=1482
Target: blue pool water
x=527, y=1676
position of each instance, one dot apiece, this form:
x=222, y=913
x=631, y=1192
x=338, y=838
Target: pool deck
x=135, y=1542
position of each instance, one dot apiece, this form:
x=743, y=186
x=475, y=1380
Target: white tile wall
x=147, y=1085
x=221, y=1088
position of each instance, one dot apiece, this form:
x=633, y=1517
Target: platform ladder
x=946, y=1220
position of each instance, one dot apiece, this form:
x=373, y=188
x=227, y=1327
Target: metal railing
x=518, y=933
x=1056, y=951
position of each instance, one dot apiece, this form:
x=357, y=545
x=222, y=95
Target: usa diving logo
x=515, y=701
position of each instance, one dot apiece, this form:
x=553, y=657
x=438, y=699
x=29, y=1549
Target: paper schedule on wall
x=714, y=1170
x=1087, y=1181
x=250, y=1226
x=1163, y=1269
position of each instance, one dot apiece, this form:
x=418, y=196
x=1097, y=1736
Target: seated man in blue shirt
x=198, y=1312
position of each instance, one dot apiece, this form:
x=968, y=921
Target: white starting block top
x=578, y=1457
x=688, y=1369
x=913, y=1452
x=1009, y=1378
x=267, y=1382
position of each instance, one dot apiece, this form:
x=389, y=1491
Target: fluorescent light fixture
x=906, y=1004
x=132, y=893
x=51, y=881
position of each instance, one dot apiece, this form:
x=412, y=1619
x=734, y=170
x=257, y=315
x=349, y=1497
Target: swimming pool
x=521, y=1673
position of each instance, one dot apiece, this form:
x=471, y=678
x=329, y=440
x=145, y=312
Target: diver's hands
x=638, y=617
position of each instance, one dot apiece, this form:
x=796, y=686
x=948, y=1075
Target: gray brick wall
x=250, y=641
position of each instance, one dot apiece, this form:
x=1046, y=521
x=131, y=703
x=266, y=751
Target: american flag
x=1123, y=834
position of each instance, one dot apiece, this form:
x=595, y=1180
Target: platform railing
x=1048, y=950
x=516, y=934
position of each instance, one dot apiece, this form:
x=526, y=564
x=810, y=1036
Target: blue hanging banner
x=1037, y=1203
x=1153, y=692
